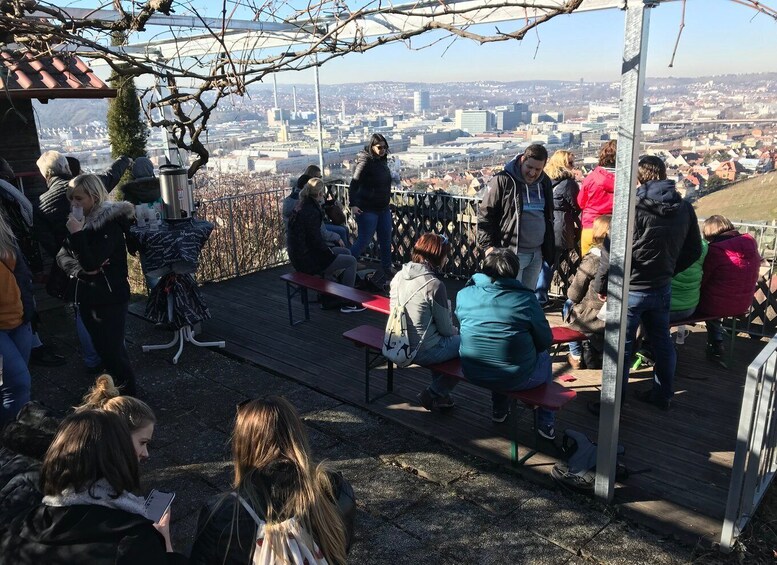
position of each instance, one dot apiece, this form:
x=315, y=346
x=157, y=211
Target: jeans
x=714, y=331
x=651, y=308
x=531, y=265
x=575, y=347
x=341, y=231
x=105, y=323
x=369, y=224
x=344, y=263
x=447, y=348
x=676, y=315
x=543, y=283
x=542, y=374
x=88, y=352
x=15, y=347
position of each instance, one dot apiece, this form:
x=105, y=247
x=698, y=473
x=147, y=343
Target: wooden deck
x=680, y=460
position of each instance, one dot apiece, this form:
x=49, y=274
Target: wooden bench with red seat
x=552, y=396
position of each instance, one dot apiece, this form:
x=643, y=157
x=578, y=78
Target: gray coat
x=583, y=315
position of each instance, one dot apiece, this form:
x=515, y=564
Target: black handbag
x=59, y=284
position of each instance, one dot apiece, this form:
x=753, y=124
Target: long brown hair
x=105, y=395
x=90, y=445
x=269, y=432
x=7, y=239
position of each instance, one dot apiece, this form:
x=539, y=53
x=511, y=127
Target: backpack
x=396, y=341
x=578, y=472
x=297, y=546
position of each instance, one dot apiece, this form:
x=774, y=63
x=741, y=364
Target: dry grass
x=753, y=200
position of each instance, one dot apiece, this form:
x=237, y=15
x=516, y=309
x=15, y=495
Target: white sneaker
x=353, y=308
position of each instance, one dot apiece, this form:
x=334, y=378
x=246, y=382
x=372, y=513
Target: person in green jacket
x=686, y=288
x=504, y=336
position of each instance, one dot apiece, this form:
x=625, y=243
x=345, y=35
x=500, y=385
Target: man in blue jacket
x=504, y=335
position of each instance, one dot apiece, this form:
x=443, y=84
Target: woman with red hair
x=418, y=289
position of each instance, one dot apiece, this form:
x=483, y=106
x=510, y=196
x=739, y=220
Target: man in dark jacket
x=666, y=241
x=517, y=213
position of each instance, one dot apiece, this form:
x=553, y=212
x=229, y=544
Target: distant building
x=511, y=116
x=421, y=101
x=728, y=170
x=474, y=121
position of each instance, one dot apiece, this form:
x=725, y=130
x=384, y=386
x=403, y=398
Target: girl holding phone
x=89, y=511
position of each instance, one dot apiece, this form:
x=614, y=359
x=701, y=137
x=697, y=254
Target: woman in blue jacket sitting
x=504, y=336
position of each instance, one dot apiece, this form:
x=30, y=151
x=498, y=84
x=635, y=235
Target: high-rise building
x=421, y=101
x=511, y=116
x=474, y=121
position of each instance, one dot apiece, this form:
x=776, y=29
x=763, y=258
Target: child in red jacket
x=729, y=279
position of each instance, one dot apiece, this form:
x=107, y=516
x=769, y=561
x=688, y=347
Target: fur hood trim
x=108, y=211
x=101, y=493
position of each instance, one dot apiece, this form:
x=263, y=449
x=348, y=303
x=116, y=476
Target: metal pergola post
x=621, y=230
x=318, y=120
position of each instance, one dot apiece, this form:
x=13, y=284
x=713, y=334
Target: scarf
x=102, y=494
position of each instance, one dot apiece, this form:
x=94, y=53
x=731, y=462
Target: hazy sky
x=720, y=37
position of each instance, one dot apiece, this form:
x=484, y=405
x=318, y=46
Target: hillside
x=753, y=200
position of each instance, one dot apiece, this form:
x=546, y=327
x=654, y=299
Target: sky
x=720, y=37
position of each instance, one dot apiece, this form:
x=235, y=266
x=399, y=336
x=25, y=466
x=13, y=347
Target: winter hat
x=142, y=168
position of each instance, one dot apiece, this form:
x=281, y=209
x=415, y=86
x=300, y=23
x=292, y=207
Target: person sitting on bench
x=581, y=311
x=307, y=249
x=431, y=332
x=504, y=336
x=728, y=283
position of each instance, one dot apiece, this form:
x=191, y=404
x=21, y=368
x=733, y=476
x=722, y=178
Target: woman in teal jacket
x=504, y=335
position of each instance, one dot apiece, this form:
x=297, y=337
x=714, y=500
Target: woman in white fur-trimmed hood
x=90, y=511
x=94, y=255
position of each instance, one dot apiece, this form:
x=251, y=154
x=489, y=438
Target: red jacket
x=595, y=196
x=730, y=275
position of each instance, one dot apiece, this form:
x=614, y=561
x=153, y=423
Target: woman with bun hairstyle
x=283, y=508
x=90, y=512
x=138, y=416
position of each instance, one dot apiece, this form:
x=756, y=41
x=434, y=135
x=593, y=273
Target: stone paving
x=419, y=500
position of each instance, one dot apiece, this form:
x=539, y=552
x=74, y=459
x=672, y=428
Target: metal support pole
x=318, y=120
x=621, y=230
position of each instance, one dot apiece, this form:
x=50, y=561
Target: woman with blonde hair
x=138, y=416
x=17, y=306
x=283, y=508
x=94, y=256
x=566, y=223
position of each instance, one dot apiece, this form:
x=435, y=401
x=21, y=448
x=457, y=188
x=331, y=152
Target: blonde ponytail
x=103, y=390
x=105, y=395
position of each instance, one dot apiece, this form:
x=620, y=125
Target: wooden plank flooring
x=682, y=458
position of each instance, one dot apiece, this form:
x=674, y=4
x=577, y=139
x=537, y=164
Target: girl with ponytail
x=138, y=416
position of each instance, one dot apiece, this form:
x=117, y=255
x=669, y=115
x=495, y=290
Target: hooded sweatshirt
x=426, y=304
x=595, y=196
x=666, y=238
x=532, y=232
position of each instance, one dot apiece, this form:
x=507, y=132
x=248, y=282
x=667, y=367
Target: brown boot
x=575, y=362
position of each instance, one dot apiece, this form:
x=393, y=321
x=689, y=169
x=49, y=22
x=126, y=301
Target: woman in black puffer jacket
x=308, y=251
x=369, y=195
x=566, y=220
x=94, y=255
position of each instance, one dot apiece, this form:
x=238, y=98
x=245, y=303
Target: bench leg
x=515, y=419
x=293, y=290
x=372, y=359
x=731, y=345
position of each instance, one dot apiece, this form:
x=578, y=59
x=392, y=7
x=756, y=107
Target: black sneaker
x=547, y=431
x=432, y=402
x=715, y=352
x=648, y=397
x=45, y=357
x=499, y=417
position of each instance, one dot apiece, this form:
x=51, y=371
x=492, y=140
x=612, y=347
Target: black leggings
x=105, y=324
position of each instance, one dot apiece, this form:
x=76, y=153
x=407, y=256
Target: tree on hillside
x=714, y=183
x=126, y=130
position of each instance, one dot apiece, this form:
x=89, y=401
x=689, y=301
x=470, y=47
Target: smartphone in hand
x=157, y=504
x=77, y=212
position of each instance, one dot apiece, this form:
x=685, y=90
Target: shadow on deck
x=680, y=460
